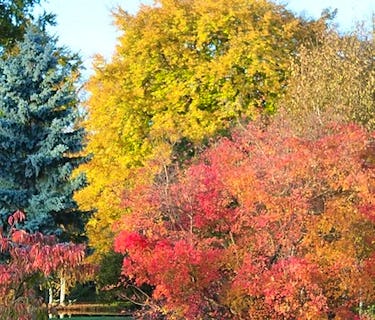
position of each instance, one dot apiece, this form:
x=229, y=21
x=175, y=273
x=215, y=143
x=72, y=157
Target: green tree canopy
x=14, y=17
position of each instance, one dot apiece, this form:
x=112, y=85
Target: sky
x=85, y=26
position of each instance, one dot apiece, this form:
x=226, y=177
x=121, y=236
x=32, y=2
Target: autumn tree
x=264, y=225
x=40, y=139
x=333, y=78
x=183, y=71
x=27, y=262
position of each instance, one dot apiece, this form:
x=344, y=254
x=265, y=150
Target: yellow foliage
x=333, y=79
x=183, y=70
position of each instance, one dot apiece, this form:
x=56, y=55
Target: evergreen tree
x=40, y=142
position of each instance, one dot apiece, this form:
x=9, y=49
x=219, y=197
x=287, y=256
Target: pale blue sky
x=85, y=26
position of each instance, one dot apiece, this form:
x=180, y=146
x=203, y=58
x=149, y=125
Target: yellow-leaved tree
x=184, y=71
x=333, y=79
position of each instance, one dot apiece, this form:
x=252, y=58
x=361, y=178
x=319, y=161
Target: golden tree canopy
x=184, y=70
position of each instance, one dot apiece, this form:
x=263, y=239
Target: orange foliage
x=265, y=225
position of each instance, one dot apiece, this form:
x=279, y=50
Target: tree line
x=227, y=156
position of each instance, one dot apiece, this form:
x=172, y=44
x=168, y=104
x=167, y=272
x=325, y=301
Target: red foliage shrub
x=264, y=225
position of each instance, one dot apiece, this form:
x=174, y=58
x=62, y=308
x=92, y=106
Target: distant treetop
x=15, y=15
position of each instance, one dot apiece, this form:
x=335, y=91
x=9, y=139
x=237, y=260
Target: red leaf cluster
x=265, y=225
x=27, y=260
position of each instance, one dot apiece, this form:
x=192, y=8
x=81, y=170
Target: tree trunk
x=62, y=290
x=50, y=296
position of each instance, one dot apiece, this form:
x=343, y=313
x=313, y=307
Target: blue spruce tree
x=40, y=141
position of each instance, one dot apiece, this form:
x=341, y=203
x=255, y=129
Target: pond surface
x=90, y=312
